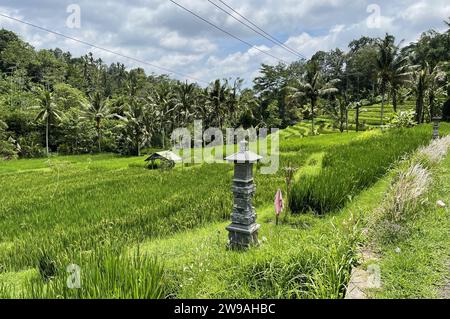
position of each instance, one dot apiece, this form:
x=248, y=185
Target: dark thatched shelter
x=167, y=157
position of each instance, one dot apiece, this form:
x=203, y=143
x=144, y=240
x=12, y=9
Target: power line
x=267, y=34
x=226, y=32
x=103, y=49
x=261, y=33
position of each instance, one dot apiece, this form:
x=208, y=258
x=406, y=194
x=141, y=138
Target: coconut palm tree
x=48, y=112
x=419, y=85
x=134, y=121
x=98, y=110
x=233, y=104
x=436, y=88
x=385, y=58
x=400, y=75
x=393, y=70
x=164, y=100
x=217, y=99
x=312, y=86
x=203, y=108
x=185, y=101
x=357, y=106
x=427, y=84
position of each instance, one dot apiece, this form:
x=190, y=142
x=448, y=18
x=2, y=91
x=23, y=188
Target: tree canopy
x=51, y=101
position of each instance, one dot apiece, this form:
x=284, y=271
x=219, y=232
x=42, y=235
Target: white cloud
x=159, y=32
x=173, y=41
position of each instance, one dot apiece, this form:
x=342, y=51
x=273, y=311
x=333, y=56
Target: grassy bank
x=348, y=169
x=414, y=254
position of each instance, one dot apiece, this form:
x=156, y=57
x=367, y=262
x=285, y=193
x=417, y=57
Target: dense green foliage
x=7, y=150
x=51, y=101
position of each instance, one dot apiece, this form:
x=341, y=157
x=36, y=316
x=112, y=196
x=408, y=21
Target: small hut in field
x=164, y=159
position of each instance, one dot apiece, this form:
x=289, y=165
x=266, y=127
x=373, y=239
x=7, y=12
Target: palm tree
x=357, y=106
x=427, y=83
x=47, y=112
x=421, y=81
x=134, y=124
x=217, y=98
x=203, y=108
x=437, y=85
x=393, y=69
x=164, y=100
x=98, y=110
x=419, y=86
x=233, y=102
x=185, y=95
x=313, y=86
x=385, y=58
x=337, y=108
x=400, y=75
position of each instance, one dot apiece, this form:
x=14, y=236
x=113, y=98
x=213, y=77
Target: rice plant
x=348, y=169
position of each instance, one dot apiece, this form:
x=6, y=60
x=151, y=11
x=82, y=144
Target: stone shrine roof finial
x=243, y=146
x=244, y=155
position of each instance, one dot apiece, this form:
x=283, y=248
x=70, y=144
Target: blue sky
x=159, y=32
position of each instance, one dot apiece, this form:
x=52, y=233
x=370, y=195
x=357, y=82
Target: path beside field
x=398, y=267
x=362, y=279
x=445, y=291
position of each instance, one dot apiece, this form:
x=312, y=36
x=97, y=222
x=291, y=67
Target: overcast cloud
x=159, y=32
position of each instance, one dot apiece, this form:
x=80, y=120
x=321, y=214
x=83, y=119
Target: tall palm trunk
x=138, y=145
x=346, y=119
x=357, y=119
x=313, y=106
x=382, y=109
x=432, y=110
x=419, y=107
x=99, y=137
x=99, y=141
x=47, y=124
x=394, y=101
x=163, y=137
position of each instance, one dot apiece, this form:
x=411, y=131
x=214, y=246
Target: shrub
x=29, y=148
x=47, y=266
x=348, y=169
x=403, y=119
x=7, y=148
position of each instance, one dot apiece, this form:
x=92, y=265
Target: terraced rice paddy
x=120, y=222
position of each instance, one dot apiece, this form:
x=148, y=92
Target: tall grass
x=90, y=210
x=410, y=231
x=348, y=169
x=103, y=274
x=406, y=196
x=52, y=211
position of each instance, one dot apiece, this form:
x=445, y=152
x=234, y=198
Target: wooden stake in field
x=289, y=176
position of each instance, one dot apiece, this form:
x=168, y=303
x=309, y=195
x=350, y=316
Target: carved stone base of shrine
x=242, y=236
